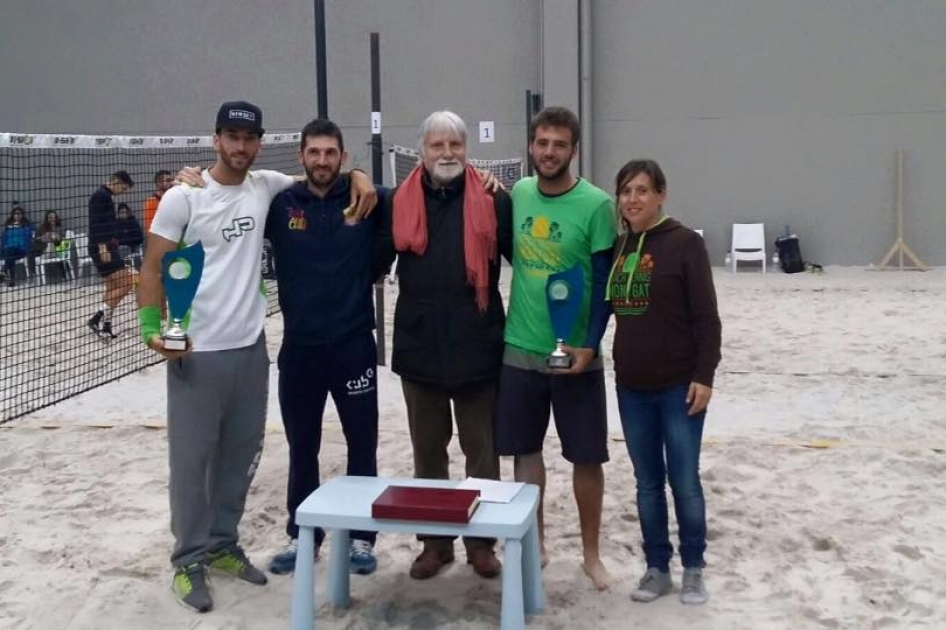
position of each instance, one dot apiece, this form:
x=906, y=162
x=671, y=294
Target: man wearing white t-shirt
x=217, y=394
x=218, y=387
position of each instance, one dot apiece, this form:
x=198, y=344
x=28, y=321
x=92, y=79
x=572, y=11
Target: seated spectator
x=128, y=232
x=51, y=232
x=17, y=241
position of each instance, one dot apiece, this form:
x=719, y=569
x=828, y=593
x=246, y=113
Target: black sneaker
x=190, y=587
x=106, y=330
x=95, y=321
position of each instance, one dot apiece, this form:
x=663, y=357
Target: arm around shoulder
x=384, y=253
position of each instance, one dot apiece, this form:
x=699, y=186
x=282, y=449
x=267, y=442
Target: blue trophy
x=180, y=272
x=563, y=292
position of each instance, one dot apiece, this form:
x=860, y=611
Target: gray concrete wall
x=560, y=54
x=134, y=67
x=782, y=112
x=475, y=58
x=137, y=67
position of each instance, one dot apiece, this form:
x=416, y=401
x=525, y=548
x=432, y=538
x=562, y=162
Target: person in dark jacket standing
x=666, y=349
x=324, y=269
x=448, y=322
x=103, y=250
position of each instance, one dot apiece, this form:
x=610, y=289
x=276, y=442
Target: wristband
x=149, y=317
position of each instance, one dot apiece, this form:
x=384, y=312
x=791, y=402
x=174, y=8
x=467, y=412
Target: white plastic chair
x=24, y=262
x=748, y=243
x=81, y=243
x=63, y=256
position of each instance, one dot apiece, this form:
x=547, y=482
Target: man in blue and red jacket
x=323, y=260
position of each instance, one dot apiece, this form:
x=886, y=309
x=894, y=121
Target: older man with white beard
x=448, y=322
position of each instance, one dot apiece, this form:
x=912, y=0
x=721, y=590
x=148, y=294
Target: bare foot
x=598, y=574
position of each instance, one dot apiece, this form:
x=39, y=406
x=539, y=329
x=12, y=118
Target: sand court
x=823, y=466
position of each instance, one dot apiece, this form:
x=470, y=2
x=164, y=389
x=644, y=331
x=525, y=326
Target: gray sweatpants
x=216, y=420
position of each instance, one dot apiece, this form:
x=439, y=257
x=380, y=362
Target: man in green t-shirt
x=559, y=222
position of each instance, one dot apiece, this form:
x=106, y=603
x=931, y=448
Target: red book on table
x=410, y=503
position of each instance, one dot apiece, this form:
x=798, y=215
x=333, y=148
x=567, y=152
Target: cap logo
x=237, y=114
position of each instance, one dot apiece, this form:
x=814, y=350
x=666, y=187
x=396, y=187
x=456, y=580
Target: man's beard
x=444, y=173
x=556, y=174
x=322, y=179
x=227, y=159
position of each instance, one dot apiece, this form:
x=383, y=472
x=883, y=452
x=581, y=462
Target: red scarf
x=479, y=226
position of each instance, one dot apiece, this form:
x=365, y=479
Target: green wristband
x=149, y=317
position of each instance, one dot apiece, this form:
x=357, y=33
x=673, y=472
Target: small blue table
x=344, y=503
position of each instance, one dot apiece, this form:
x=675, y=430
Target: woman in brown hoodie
x=666, y=349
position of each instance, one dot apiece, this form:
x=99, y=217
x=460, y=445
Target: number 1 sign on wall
x=487, y=132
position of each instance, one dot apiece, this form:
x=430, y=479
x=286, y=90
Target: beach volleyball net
x=403, y=160
x=47, y=351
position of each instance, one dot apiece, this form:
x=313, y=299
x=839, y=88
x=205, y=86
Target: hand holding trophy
x=180, y=273
x=563, y=292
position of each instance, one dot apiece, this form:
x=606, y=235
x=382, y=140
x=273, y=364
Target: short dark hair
x=123, y=206
x=123, y=177
x=161, y=175
x=321, y=127
x=556, y=117
x=634, y=168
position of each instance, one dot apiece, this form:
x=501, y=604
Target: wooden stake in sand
x=899, y=247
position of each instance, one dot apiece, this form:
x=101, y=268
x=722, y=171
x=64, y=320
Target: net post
x=378, y=176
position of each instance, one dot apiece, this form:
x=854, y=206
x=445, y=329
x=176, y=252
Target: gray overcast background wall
x=783, y=112
x=788, y=112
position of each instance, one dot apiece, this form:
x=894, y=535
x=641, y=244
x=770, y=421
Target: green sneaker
x=190, y=587
x=234, y=562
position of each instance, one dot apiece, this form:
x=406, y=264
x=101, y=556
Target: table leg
x=303, y=583
x=338, y=578
x=512, y=616
x=533, y=592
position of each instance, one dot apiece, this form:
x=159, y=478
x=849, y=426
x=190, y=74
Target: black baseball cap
x=240, y=115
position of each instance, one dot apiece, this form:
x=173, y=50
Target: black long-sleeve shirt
x=102, y=217
x=128, y=232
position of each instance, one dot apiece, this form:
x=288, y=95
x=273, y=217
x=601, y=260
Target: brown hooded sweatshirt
x=668, y=328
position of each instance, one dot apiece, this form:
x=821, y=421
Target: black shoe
x=95, y=321
x=106, y=331
x=11, y=283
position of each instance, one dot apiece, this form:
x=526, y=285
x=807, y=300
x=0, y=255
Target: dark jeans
x=655, y=421
x=431, y=425
x=307, y=374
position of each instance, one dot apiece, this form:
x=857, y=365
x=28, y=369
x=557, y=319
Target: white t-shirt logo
x=238, y=227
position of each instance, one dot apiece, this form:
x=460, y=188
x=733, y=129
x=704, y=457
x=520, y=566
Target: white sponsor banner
x=73, y=141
